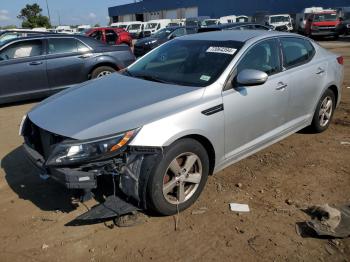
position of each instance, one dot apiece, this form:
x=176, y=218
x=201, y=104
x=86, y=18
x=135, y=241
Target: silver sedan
x=186, y=110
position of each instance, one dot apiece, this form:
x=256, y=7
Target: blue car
x=38, y=66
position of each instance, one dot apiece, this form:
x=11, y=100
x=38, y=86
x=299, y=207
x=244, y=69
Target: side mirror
x=251, y=77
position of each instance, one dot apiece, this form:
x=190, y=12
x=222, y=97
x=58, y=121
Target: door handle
x=281, y=86
x=36, y=63
x=84, y=56
x=320, y=70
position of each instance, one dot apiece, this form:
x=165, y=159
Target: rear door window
x=65, y=45
x=22, y=49
x=296, y=51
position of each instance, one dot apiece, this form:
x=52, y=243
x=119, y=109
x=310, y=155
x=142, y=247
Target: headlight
x=82, y=151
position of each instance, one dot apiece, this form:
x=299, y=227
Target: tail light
x=340, y=60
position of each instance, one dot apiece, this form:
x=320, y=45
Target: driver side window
x=264, y=56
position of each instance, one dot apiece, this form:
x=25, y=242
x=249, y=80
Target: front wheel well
x=208, y=147
x=114, y=66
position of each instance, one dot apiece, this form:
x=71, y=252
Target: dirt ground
x=303, y=170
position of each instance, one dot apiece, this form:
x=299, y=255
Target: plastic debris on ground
x=241, y=208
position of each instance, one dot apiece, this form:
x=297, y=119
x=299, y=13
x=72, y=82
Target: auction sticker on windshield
x=221, y=50
x=205, y=78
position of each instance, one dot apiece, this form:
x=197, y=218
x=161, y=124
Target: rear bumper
x=70, y=178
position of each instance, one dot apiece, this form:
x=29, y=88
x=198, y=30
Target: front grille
x=39, y=139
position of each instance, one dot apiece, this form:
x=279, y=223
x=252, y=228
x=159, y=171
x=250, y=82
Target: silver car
x=186, y=110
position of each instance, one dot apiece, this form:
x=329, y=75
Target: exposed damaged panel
x=134, y=175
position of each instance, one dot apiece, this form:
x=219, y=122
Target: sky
x=71, y=12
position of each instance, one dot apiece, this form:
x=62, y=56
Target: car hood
x=110, y=105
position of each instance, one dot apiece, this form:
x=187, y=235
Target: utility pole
x=48, y=11
x=59, y=17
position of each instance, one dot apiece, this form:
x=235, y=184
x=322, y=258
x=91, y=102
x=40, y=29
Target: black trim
x=213, y=110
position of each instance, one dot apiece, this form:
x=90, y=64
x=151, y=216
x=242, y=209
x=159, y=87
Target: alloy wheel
x=104, y=73
x=326, y=111
x=182, y=178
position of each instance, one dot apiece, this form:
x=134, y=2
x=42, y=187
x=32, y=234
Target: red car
x=111, y=36
x=324, y=23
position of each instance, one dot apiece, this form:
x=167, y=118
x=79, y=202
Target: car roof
x=234, y=35
x=40, y=36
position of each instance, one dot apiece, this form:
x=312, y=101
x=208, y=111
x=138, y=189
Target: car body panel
x=83, y=121
x=250, y=118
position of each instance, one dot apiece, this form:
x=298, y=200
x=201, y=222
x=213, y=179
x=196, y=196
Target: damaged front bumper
x=127, y=173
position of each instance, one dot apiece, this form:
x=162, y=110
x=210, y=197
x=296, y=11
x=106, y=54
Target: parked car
x=146, y=44
x=38, y=66
x=110, y=36
x=209, y=22
x=282, y=22
x=325, y=23
x=233, y=19
x=195, y=21
x=184, y=111
x=136, y=29
x=152, y=26
x=234, y=26
x=11, y=34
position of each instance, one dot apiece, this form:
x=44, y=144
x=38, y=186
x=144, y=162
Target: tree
x=32, y=17
x=8, y=27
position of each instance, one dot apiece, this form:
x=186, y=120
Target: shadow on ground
x=25, y=181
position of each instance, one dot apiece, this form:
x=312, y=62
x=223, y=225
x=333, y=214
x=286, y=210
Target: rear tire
x=324, y=112
x=168, y=191
x=102, y=71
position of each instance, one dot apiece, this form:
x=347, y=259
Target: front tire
x=179, y=178
x=324, y=112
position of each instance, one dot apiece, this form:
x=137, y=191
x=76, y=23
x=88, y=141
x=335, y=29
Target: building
x=158, y=9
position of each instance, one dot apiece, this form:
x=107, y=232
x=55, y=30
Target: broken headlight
x=73, y=152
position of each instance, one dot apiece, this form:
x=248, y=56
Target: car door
x=308, y=76
x=22, y=68
x=66, y=61
x=254, y=114
x=111, y=37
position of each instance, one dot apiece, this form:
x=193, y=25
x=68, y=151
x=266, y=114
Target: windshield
x=325, y=17
x=186, y=62
x=151, y=25
x=279, y=19
x=347, y=16
x=163, y=33
x=123, y=26
x=209, y=22
x=134, y=27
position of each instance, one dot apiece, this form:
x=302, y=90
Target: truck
x=323, y=24
x=301, y=18
x=281, y=22
x=153, y=26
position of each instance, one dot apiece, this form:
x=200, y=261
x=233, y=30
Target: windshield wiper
x=152, y=78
